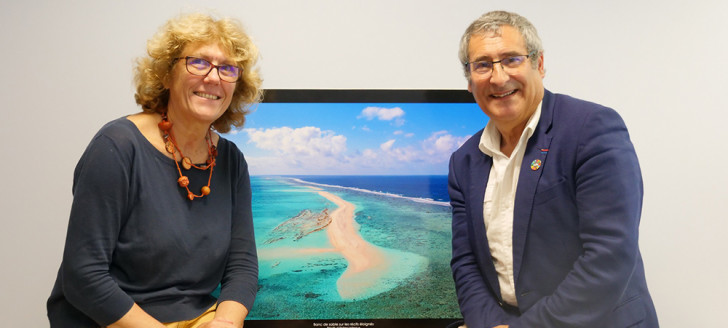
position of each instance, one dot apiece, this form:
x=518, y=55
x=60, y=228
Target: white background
x=65, y=70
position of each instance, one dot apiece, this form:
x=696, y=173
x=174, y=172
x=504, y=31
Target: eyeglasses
x=201, y=67
x=485, y=67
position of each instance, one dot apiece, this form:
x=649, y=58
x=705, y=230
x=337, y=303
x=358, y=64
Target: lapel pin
x=535, y=164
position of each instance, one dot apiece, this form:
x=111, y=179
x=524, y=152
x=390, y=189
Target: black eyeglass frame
x=187, y=67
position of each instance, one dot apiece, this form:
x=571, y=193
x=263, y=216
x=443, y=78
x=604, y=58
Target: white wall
x=66, y=69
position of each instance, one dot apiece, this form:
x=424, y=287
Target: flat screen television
x=350, y=205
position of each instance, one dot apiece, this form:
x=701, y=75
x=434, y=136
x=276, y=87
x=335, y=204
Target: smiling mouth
x=503, y=94
x=206, y=95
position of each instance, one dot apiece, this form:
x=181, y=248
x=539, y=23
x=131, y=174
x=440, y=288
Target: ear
x=541, y=69
x=470, y=85
x=166, y=79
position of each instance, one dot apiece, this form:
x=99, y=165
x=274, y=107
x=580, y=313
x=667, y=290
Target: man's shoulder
x=568, y=111
x=572, y=105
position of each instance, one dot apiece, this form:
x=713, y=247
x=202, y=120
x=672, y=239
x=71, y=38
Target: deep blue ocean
x=432, y=187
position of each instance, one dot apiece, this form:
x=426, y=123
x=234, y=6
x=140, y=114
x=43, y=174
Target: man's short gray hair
x=491, y=22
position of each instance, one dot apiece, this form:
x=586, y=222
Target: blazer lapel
x=479, y=172
x=533, y=161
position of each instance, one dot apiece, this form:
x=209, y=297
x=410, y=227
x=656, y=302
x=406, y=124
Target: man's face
x=509, y=97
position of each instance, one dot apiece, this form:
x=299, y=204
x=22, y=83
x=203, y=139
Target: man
x=546, y=199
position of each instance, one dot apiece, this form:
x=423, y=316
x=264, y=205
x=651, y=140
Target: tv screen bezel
x=370, y=96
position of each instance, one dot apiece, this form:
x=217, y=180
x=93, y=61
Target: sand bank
x=368, y=264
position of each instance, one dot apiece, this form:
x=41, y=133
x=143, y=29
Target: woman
x=161, y=212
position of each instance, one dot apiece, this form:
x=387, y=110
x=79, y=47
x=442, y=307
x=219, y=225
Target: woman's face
x=195, y=97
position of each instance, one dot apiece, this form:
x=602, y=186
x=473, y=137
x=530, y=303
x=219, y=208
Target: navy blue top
x=134, y=236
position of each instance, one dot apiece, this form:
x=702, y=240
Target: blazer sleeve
x=608, y=199
x=478, y=303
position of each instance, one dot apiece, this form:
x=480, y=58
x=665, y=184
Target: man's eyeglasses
x=484, y=67
x=201, y=67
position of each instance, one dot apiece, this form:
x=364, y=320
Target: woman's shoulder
x=117, y=129
x=140, y=128
x=229, y=153
x=229, y=148
x=120, y=133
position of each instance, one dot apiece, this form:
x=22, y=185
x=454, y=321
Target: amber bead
x=183, y=181
x=165, y=125
x=190, y=195
x=205, y=190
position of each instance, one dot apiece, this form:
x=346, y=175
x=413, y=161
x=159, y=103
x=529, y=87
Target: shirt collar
x=490, y=139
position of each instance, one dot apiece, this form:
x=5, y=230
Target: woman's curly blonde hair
x=154, y=70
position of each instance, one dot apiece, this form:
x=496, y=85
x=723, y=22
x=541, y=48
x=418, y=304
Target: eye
x=481, y=65
x=198, y=63
x=513, y=61
x=229, y=70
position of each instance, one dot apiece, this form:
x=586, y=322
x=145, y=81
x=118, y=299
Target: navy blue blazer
x=575, y=226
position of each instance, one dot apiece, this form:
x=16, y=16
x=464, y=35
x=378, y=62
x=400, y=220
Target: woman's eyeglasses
x=202, y=67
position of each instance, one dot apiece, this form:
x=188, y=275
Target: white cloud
x=402, y=133
x=435, y=149
x=387, y=145
x=310, y=150
x=306, y=141
x=383, y=114
x=369, y=154
x=441, y=144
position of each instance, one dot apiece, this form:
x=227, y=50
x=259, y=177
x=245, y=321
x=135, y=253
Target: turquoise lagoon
x=299, y=268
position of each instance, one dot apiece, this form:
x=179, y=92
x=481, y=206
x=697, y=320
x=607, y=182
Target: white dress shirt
x=500, y=196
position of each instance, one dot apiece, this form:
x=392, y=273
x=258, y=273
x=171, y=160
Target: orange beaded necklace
x=171, y=146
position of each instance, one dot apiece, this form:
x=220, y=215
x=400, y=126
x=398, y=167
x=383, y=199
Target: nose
x=498, y=75
x=213, y=78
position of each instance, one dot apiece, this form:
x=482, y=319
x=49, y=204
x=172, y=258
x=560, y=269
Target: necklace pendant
x=169, y=146
x=186, y=163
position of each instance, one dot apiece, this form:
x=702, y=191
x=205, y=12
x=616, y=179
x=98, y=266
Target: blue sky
x=355, y=138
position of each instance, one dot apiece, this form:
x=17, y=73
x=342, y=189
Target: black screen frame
x=363, y=96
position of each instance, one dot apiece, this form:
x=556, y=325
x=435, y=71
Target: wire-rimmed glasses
x=485, y=67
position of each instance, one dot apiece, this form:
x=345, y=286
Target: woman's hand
x=219, y=323
x=229, y=314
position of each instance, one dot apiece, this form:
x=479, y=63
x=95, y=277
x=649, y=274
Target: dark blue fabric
x=575, y=228
x=133, y=236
